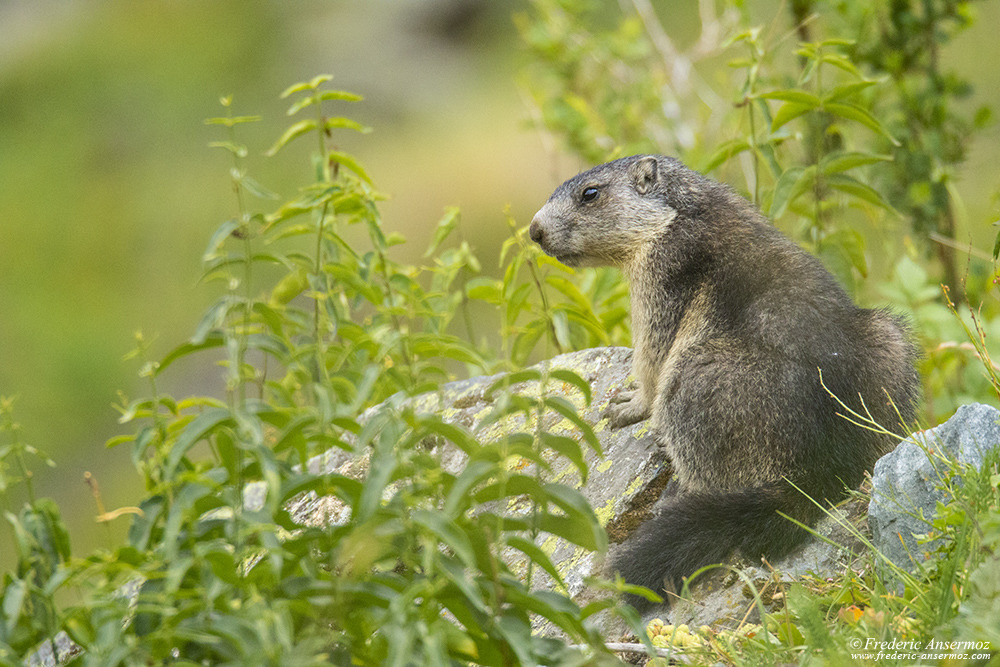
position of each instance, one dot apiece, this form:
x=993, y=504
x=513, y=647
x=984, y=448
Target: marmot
x=732, y=324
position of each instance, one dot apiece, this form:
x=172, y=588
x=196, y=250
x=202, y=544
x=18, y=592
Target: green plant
x=922, y=102
x=321, y=342
x=848, y=139
x=28, y=608
x=554, y=304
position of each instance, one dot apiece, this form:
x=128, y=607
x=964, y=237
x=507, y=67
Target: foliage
x=848, y=139
x=311, y=331
x=903, y=42
x=27, y=597
x=838, y=620
x=573, y=310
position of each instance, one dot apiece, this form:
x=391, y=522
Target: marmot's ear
x=644, y=174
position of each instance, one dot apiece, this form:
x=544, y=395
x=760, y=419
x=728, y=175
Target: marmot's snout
x=550, y=230
x=535, y=230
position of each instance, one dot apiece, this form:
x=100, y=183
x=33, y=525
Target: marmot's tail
x=703, y=528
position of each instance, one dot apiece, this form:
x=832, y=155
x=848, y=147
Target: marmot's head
x=604, y=215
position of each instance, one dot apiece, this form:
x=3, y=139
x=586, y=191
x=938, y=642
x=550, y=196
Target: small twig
x=625, y=647
x=964, y=247
x=966, y=347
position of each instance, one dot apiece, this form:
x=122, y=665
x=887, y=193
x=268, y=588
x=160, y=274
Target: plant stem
x=318, y=310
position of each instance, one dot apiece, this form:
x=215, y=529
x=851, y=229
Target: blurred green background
x=108, y=191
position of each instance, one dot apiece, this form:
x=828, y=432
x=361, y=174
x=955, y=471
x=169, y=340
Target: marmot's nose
x=535, y=230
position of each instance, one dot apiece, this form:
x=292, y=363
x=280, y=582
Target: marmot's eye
x=588, y=194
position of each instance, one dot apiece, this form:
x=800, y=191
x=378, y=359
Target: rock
x=57, y=651
x=622, y=485
x=623, y=488
x=905, y=481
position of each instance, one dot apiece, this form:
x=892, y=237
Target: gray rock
x=54, y=652
x=621, y=486
x=905, y=481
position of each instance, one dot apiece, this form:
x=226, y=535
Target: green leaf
x=859, y=115
x=209, y=340
x=293, y=132
x=799, y=97
x=312, y=84
x=336, y=123
x=560, y=323
x=596, y=607
x=569, y=377
x=350, y=278
x=257, y=190
x=457, y=435
x=570, y=290
x=288, y=288
x=852, y=186
x=845, y=160
x=185, y=504
x=238, y=150
x=518, y=302
x=55, y=531
x=315, y=98
x=790, y=186
x=726, y=151
x=509, y=380
x=224, y=565
x=272, y=317
x=444, y=228
x=446, y=533
x=233, y=121
x=381, y=469
x=575, y=530
x=847, y=90
x=218, y=238
x=589, y=324
x=526, y=341
x=13, y=601
x=567, y=410
x=458, y=577
x=342, y=95
x=351, y=163
x=575, y=505
x=537, y=556
x=195, y=431
x=851, y=244
x=567, y=447
x=842, y=62
x=215, y=267
x=459, y=495
x=267, y=342
x=300, y=104
x=789, y=112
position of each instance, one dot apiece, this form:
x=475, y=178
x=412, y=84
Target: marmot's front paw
x=624, y=396
x=626, y=408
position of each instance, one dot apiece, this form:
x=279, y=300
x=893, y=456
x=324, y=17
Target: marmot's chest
x=661, y=343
